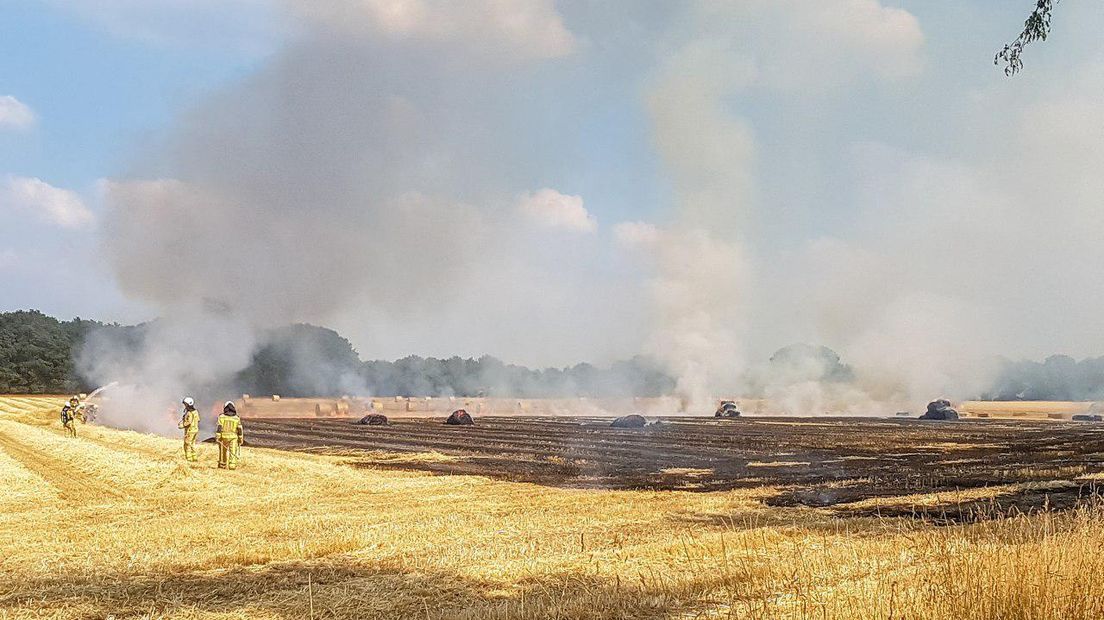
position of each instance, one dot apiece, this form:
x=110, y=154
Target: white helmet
x=188, y=401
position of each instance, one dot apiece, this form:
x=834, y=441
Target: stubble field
x=554, y=519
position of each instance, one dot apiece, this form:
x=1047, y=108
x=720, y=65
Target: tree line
x=38, y=352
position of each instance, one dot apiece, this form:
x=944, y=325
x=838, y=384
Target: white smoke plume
x=359, y=177
x=193, y=347
x=386, y=172
x=706, y=292
x=700, y=290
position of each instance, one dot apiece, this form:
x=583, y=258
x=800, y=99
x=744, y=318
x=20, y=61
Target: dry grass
x=1024, y=409
x=115, y=524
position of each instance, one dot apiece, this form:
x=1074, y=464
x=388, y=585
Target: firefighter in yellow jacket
x=69, y=416
x=230, y=435
x=189, y=423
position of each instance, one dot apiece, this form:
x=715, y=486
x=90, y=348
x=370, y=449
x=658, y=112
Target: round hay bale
x=940, y=410
x=459, y=417
x=727, y=409
x=632, y=420
x=374, y=419
x=276, y=397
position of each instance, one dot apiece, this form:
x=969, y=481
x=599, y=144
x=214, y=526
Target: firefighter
x=189, y=423
x=69, y=416
x=230, y=436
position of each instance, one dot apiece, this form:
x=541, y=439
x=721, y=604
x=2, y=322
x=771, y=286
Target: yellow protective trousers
x=71, y=428
x=228, y=452
x=189, y=445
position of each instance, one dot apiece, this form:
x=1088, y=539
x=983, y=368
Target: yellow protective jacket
x=229, y=427
x=190, y=422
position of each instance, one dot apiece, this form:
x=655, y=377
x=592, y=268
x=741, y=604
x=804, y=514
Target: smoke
x=404, y=172
x=904, y=291
x=698, y=294
x=192, y=351
x=700, y=286
x=727, y=286
x=362, y=177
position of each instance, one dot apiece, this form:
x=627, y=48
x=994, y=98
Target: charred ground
x=945, y=472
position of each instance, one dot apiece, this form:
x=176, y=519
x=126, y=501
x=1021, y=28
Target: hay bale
x=632, y=420
x=459, y=417
x=727, y=409
x=276, y=398
x=940, y=410
x=374, y=419
x=1088, y=417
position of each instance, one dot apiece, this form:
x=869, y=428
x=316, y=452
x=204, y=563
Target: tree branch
x=1036, y=28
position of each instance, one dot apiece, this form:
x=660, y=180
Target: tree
x=36, y=352
x=1036, y=28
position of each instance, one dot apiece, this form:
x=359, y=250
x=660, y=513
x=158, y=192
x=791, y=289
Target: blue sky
x=96, y=95
x=824, y=146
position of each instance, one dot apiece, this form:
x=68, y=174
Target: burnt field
x=852, y=466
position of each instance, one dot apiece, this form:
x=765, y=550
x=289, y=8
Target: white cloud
x=14, y=114
x=58, y=206
x=555, y=210
x=509, y=29
x=636, y=235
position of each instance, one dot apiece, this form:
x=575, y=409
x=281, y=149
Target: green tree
x=36, y=352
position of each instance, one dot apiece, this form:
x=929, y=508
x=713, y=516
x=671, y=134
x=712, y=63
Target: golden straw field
x=116, y=524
